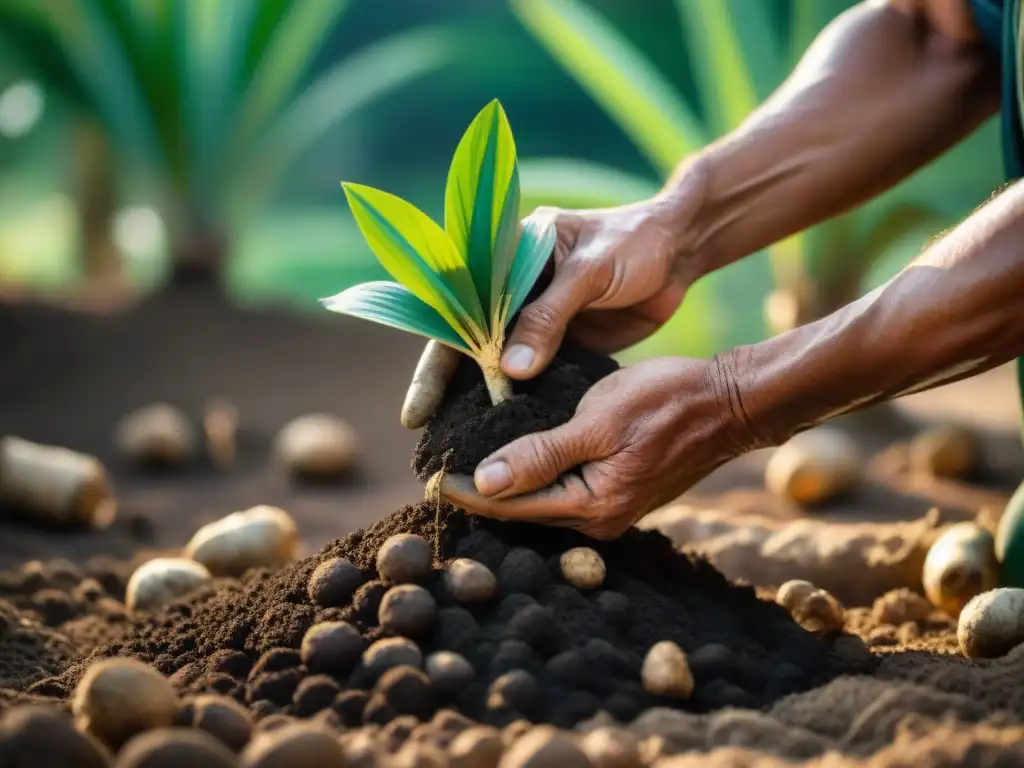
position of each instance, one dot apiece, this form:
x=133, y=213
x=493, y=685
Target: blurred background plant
x=141, y=130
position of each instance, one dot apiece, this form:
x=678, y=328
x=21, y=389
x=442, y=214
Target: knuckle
x=541, y=318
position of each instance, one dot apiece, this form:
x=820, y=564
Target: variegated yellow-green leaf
x=418, y=254
x=396, y=306
x=482, y=201
x=536, y=243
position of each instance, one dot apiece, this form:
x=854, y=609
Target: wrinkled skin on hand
x=640, y=437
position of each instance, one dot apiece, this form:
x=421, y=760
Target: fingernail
x=492, y=478
x=519, y=358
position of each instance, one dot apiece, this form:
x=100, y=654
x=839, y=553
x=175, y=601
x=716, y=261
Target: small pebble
x=404, y=558
x=334, y=582
x=314, y=694
x=582, y=567
x=296, y=745
x=117, y=698
x=611, y=747
x=409, y=610
x=224, y=719
x=470, y=582
x=477, y=747
x=391, y=652
x=260, y=537
x=156, y=435
x=331, y=647
x=162, y=580
x=45, y=730
x=317, y=446
x=543, y=747
x=175, y=748
x=449, y=672
x=666, y=671
x=992, y=623
x=517, y=689
x=405, y=691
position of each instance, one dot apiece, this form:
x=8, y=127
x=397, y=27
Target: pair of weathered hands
x=619, y=274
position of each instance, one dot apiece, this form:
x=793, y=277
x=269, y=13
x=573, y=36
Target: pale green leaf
x=418, y=254
x=477, y=204
x=574, y=183
x=396, y=306
x=536, y=243
x=630, y=89
x=808, y=19
x=723, y=64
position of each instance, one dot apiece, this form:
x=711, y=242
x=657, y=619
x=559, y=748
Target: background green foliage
x=666, y=77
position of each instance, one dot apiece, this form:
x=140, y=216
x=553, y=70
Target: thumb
x=541, y=326
x=534, y=461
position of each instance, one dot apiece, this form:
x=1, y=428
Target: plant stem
x=498, y=386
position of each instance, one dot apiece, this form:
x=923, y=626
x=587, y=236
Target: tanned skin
x=887, y=87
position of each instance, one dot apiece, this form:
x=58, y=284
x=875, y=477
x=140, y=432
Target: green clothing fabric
x=1001, y=24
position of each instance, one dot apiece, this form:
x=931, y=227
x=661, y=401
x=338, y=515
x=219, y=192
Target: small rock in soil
x=517, y=689
x=174, y=748
x=469, y=581
x=317, y=446
x=296, y=745
x=404, y=559
x=223, y=718
x=118, y=698
x=992, y=624
x=315, y=693
x=404, y=691
x=582, y=567
x=388, y=653
x=34, y=735
x=666, y=671
x=449, y=672
x=157, y=435
x=334, y=582
x=332, y=647
x=408, y=609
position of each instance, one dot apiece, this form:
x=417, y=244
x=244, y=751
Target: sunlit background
x=130, y=127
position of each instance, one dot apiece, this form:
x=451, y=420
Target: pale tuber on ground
x=814, y=467
x=582, y=567
x=159, y=434
x=260, y=537
x=162, y=580
x=992, y=623
x=117, y=698
x=960, y=564
x=317, y=445
x=945, y=451
x=813, y=609
x=55, y=486
x=666, y=671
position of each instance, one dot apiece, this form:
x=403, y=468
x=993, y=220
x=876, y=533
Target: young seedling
x=459, y=285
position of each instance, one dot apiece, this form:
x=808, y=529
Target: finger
x=563, y=505
x=536, y=460
x=434, y=371
x=541, y=325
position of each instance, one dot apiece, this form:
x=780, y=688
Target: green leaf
x=616, y=75
x=536, y=243
x=808, y=19
x=394, y=305
x=574, y=183
x=729, y=46
x=482, y=201
x=418, y=254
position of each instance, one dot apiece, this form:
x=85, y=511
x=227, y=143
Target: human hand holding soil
x=617, y=275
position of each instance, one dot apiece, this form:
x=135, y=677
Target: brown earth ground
x=66, y=378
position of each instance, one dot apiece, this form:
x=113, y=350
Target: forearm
x=879, y=94
x=956, y=311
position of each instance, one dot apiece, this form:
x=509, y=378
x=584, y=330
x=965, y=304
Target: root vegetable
x=992, y=623
x=582, y=567
x=814, y=467
x=296, y=745
x=259, y=537
x=156, y=435
x=407, y=609
x=666, y=671
x=470, y=582
x=404, y=558
x=49, y=732
x=162, y=580
x=220, y=423
x=318, y=445
x=55, y=486
x=951, y=452
x=960, y=564
x=813, y=609
x=1009, y=542
x=117, y=698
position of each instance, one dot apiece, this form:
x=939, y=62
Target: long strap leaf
x=536, y=244
x=394, y=305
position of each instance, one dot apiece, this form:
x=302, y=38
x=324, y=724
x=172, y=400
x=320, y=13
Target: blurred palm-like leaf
x=213, y=96
x=738, y=52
